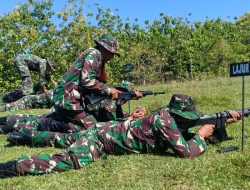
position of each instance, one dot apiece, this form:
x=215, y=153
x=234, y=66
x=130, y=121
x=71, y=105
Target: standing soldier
x=29, y=62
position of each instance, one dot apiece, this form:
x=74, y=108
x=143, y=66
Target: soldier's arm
x=170, y=133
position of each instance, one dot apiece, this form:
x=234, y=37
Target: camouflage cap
x=51, y=64
x=108, y=42
x=184, y=106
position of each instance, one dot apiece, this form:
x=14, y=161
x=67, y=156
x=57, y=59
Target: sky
x=151, y=9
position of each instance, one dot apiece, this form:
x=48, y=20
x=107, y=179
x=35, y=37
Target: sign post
x=241, y=69
x=127, y=69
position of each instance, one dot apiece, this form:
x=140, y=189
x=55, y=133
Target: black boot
x=8, y=169
x=5, y=129
x=19, y=138
x=3, y=120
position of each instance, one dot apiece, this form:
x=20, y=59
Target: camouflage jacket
x=153, y=133
x=82, y=78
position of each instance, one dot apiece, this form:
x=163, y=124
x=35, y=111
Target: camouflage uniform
x=28, y=123
x=154, y=133
x=85, y=76
x=22, y=122
x=44, y=100
x=26, y=63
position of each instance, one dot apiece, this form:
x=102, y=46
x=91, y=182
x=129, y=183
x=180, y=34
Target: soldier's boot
x=5, y=129
x=19, y=138
x=3, y=120
x=8, y=169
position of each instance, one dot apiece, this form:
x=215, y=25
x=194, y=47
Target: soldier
x=85, y=77
x=150, y=134
x=29, y=62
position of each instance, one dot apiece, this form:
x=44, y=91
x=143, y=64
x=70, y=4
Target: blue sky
x=150, y=10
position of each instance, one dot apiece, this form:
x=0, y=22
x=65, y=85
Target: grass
x=210, y=170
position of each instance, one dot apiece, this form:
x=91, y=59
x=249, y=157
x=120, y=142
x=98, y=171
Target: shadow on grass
x=168, y=154
x=10, y=145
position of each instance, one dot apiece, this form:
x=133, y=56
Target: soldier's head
x=183, y=107
x=108, y=46
x=49, y=66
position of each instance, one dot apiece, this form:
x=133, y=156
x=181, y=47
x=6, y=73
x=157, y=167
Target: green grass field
x=210, y=170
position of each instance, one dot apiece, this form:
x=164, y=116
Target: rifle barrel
x=149, y=92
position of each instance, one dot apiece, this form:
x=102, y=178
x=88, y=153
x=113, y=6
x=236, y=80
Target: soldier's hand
x=235, y=116
x=44, y=89
x=206, y=130
x=138, y=113
x=138, y=95
x=114, y=93
x=53, y=82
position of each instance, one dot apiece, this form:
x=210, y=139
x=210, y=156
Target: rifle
x=123, y=96
x=218, y=119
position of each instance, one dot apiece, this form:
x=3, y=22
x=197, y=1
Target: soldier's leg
x=20, y=122
x=22, y=67
x=25, y=102
x=86, y=150
x=79, y=118
x=46, y=122
x=7, y=122
x=56, y=125
x=60, y=140
x=14, y=118
x=26, y=123
x=26, y=127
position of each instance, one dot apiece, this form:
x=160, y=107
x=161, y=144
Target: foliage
x=169, y=48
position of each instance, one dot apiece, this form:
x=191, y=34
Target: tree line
x=169, y=48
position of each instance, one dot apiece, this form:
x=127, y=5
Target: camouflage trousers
x=46, y=122
x=30, y=102
x=23, y=122
x=84, y=151
x=23, y=69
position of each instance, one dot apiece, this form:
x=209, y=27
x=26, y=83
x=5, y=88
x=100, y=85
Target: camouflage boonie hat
x=50, y=63
x=184, y=106
x=109, y=43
